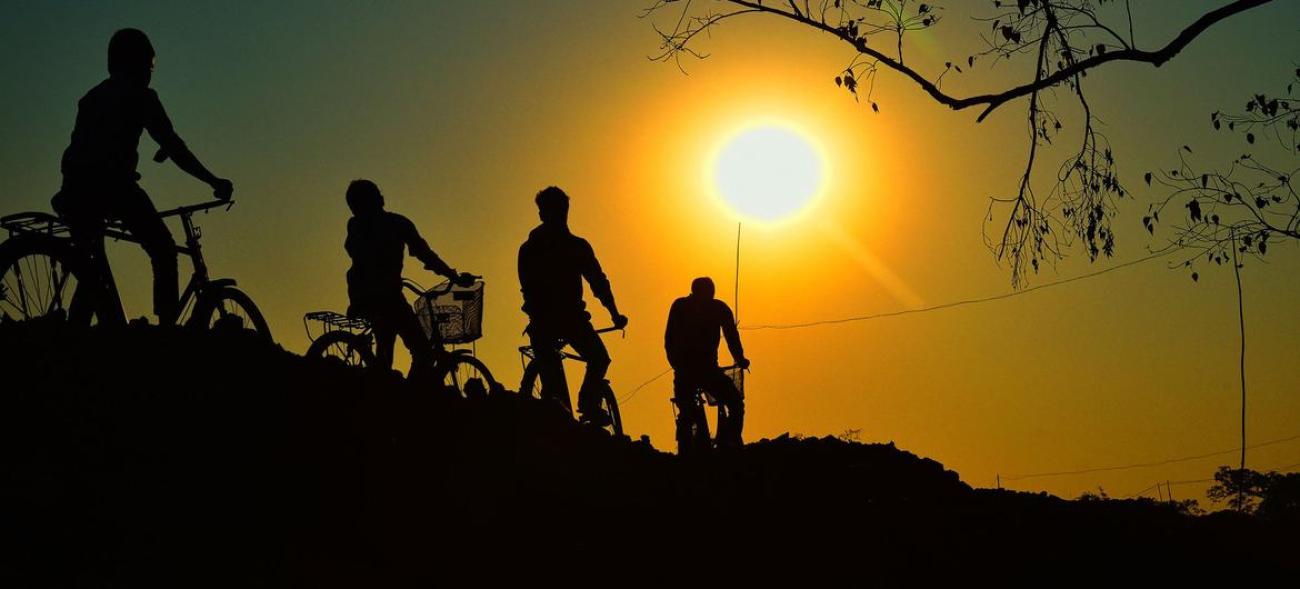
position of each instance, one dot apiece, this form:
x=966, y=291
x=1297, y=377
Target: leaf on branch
x=1250, y=138
x=1194, y=209
x=1196, y=277
x=1147, y=177
x=875, y=107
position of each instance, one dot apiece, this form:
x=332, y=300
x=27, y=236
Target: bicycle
x=43, y=277
x=448, y=313
x=529, y=387
x=692, y=423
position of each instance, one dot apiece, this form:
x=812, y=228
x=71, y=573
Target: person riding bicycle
x=376, y=240
x=691, y=341
x=99, y=167
x=552, y=265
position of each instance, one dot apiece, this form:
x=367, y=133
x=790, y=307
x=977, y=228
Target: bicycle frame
x=531, y=354
x=52, y=226
x=694, y=413
x=362, y=328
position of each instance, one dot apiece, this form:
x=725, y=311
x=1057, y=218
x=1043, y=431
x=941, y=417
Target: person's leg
x=385, y=332
x=550, y=367
x=688, y=414
x=587, y=343
x=417, y=343
x=132, y=206
x=718, y=384
x=85, y=223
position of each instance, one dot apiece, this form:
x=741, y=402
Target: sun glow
x=769, y=172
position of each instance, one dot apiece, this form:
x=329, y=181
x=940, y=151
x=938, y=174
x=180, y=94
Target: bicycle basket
x=737, y=376
x=453, y=317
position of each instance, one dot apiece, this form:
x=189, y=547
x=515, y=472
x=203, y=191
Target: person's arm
x=420, y=250
x=600, y=287
x=349, y=244
x=672, y=334
x=525, y=275
x=170, y=144
x=732, y=335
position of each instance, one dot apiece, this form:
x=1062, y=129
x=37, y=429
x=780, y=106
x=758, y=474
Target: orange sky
x=462, y=113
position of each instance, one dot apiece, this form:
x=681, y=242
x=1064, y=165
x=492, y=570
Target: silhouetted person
x=99, y=167
x=377, y=243
x=691, y=340
x=552, y=265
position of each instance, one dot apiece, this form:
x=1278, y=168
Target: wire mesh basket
x=737, y=376
x=453, y=317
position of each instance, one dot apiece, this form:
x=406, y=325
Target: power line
x=1149, y=464
x=642, y=386
x=960, y=303
x=1165, y=484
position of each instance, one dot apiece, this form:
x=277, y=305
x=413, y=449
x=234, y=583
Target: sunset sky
x=462, y=111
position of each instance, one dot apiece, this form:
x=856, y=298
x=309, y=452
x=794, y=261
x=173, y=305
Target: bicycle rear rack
x=333, y=322
x=33, y=223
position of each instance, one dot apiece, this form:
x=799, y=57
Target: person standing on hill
x=376, y=242
x=691, y=340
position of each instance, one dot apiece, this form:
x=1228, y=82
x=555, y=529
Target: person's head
x=702, y=288
x=553, y=205
x=130, y=56
x=364, y=197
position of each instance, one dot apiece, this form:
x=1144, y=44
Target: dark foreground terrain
x=142, y=457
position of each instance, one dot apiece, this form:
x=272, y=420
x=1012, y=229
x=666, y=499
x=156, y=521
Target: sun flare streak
x=877, y=269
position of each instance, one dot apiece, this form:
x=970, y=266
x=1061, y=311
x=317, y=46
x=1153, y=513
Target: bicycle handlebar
x=440, y=289
x=203, y=206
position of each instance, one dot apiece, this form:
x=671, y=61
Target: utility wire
x=1148, y=464
x=642, y=386
x=960, y=303
x=1164, y=484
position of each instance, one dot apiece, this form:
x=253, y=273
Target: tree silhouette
x=1066, y=39
x=1269, y=494
x=1246, y=204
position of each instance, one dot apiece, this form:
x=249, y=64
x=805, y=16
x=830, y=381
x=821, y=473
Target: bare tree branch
x=1068, y=39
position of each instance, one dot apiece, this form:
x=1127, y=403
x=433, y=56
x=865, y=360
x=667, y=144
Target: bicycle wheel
x=692, y=429
x=530, y=387
x=342, y=346
x=609, y=404
x=39, y=277
x=467, y=376
x=228, y=309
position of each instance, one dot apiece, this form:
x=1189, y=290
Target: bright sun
x=769, y=172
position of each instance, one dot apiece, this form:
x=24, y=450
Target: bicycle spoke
x=37, y=300
x=56, y=300
x=22, y=290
